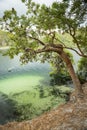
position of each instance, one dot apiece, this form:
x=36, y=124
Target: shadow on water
x=11, y=110
x=7, y=107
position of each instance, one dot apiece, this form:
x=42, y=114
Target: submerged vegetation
x=26, y=105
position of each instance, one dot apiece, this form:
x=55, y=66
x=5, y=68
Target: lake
x=15, y=77
x=23, y=89
x=21, y=85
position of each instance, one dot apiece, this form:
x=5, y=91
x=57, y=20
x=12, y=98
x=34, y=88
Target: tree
x=36, y=34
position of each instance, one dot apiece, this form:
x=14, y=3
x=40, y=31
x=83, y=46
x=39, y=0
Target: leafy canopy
x=38, y=31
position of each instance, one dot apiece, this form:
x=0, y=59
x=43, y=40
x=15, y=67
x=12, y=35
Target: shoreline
x=4, y=48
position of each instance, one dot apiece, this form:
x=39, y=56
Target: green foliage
x=82, y=64
x=82, y=70
x=59, y=79
x=23, y=0
x=35, y=36
x=38, y=27
x=82, y=38
x=4, y=38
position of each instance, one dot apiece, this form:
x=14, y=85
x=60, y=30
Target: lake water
x=15, y=77
x=21, y=80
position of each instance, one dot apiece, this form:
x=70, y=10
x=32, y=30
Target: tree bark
x=75, y=79
x=59, y=49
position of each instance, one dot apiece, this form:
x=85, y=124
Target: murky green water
x=15, y=77
x=19, y=85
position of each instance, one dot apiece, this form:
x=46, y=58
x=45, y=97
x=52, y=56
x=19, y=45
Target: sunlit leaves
x=41, y=22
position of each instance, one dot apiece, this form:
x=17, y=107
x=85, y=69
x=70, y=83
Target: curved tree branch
x=42, y=43
x=82, y=55
x=72, y=32
x=77, y=45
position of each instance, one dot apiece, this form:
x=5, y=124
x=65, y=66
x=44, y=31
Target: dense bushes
x=82, y=70
x=59, y=79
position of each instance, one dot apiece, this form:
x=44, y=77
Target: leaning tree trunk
x=59, y=50
x=75, y=79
